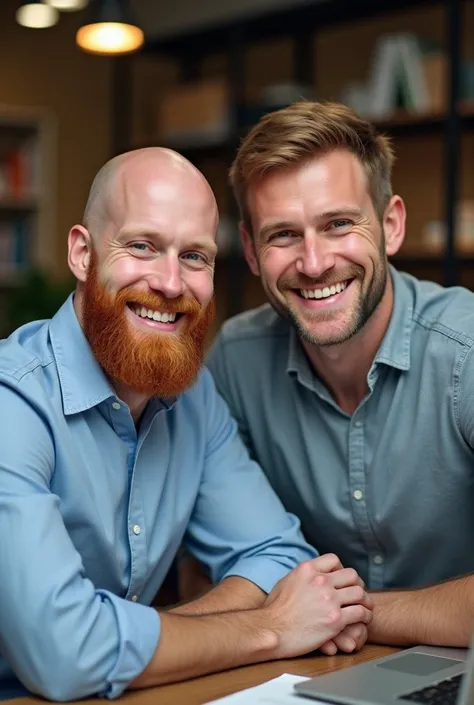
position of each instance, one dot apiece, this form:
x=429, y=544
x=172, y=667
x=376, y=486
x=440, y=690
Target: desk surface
x=201, y=690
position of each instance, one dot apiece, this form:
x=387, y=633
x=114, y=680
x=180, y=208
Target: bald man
x=115, y=448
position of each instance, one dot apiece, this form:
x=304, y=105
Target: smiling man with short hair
x=353, y=388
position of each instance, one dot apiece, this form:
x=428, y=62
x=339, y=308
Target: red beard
x=156, y=364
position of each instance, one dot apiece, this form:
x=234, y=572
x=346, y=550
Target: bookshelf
x=323, y=45
x=27, y=192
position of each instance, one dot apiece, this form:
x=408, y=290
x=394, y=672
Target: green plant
x=38, y=296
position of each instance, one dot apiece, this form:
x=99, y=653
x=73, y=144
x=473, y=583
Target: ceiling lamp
x=109, y=29
x=36, y=14
x=67, y=5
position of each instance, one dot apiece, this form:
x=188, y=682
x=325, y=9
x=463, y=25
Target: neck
x=135, y=401
x=344, y=368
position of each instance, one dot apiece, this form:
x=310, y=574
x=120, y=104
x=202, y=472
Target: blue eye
x=140, y=246
x=194, y=257
x=282, y=235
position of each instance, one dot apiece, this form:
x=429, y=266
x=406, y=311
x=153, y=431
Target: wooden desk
x=201, y=690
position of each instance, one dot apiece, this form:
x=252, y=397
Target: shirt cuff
x=264, y=572
x=139, y=631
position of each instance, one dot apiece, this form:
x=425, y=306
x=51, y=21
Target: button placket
x=136, y=534
x=358, y=494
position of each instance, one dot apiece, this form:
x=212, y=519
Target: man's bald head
x=143, y=169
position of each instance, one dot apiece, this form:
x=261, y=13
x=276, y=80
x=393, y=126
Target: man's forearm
x=180, y=654
x=308, y=607
x=440, y=615
x=231, y=594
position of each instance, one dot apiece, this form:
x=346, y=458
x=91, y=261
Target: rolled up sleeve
x=63, y=638
x=239, y=526
x=138, y=628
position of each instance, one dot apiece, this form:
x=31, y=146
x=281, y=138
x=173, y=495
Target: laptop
x=423, y=674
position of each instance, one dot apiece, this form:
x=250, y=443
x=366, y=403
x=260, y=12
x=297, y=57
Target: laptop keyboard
x=443, y=693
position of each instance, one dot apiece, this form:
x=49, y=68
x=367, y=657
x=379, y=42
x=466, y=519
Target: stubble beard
x=363, y=309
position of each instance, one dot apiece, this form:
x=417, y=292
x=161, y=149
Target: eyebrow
x=203, y=243
x=276, y=225
x=338, y=212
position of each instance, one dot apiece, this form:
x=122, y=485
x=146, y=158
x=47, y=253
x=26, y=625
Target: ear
x=249, y=249
x=79, y=251
x=394, y=225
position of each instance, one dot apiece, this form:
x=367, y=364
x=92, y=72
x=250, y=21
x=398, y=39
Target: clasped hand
x=319, y=605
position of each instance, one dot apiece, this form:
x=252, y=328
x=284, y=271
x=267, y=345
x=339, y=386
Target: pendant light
x=36, y=14
x=109, y=29
x=67, y=5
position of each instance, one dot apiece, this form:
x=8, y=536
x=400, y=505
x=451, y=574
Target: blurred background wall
x=205, y=74
x=44, y=68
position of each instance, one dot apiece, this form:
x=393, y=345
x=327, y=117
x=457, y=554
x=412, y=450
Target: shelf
x=195, y=50
x=404, y=123
x=27, y=216
x=314, y=15
x=217, y=150
x=10, y=204
x=467, y=113
x=400, y=124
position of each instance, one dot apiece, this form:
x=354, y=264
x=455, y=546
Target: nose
x=316, y=257
x=165, y=277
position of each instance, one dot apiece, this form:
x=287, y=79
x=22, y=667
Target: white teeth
x=323, y=293
x=154, y=315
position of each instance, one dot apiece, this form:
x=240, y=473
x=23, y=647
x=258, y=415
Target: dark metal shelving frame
x=302, y=23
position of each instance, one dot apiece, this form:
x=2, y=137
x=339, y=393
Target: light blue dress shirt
x=93, y=511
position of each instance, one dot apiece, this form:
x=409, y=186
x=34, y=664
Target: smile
x=160, y=316
x=154, y=320
x=325, y=292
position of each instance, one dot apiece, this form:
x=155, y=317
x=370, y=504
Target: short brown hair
x=292, y=135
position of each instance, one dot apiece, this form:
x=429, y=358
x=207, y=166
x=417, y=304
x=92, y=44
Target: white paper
x=278, y=691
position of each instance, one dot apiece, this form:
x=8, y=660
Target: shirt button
x=358, y=494
x=134, y=598
x=116, y=405
x=358, y=424
x=136, y=529
x=378, y=560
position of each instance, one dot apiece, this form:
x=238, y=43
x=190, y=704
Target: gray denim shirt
x=390, y=489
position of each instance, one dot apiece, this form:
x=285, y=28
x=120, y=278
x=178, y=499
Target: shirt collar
x=394, y=349
x=83, y=383
x=297, y=361
x=82, y=380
